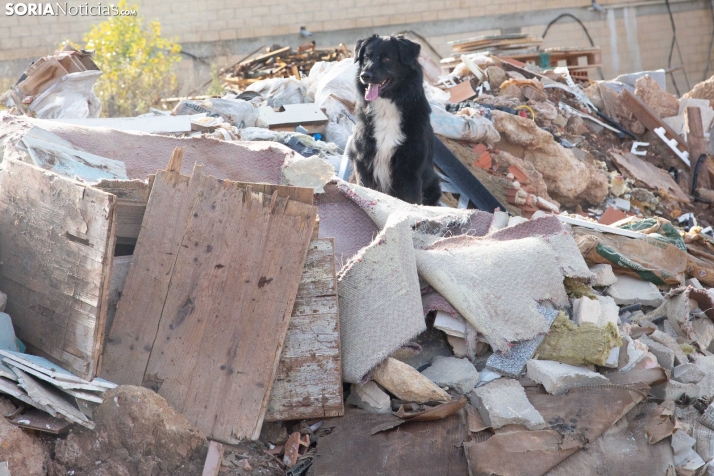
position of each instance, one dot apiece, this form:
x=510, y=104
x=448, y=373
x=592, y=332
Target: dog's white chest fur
x=387, y=123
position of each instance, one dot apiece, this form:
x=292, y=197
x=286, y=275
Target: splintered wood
x=56, y=247
x=208, y=298
x=309, y=379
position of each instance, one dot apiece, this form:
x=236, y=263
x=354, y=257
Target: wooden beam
x=649, y=118
x=697, y=146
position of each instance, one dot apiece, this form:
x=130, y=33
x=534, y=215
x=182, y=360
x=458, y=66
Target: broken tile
x=504, y=402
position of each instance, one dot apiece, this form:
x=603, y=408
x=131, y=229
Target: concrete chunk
x=687, y=373
x=598, y=311
x=667, y=340
x=558, y=378
x=406, y=383
x=586, y=311
x=459, y=374
x=603, y=275
x=458, y=346
x=628, y=290
x=504, y=402
x=665, y=355
x=369, y=397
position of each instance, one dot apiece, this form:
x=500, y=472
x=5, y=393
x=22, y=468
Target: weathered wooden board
x=120, y=270
x=228, y=306
x=56, y=245
x=133, y=331
x=207, y=300
x=309, y=379
x=132, y=197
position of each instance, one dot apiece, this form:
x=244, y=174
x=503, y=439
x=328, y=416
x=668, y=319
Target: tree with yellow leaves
x=136, y=61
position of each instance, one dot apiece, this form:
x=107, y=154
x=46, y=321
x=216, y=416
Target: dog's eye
x=386, y=59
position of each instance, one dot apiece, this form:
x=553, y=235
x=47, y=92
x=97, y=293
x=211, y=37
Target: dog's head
x=385, y=62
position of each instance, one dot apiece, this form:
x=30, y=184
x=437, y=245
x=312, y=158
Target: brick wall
x=230, y=27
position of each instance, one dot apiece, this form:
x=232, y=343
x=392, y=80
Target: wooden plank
x=56, y=243
x=697, y=146
x=649, y=118
x=133, y=331
x=308, y=383
x=218, y=351
x=132, y=197
x=120, y=270
x=213, y=459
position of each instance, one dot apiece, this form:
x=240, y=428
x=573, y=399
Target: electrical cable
x=587, y=33
x=679, y=51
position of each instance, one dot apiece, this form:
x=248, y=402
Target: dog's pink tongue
x=372, y=92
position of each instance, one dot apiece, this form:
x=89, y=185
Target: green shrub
x=137, y=63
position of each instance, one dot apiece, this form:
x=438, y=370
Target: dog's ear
x=408, y=52
x=359, y=47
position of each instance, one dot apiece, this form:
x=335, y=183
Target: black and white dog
x=392, y=145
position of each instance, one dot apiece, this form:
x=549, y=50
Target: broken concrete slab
x=459, y=374
x=404, y=382
x=687, y=373
x=603, y=275
x=369, y=397
x=628, y=290
x=579, y=345
x=665, y=355
x=558, y=378
x=504, y=402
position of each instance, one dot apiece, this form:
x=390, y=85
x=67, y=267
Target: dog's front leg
x=363, y=174
x=408, y=187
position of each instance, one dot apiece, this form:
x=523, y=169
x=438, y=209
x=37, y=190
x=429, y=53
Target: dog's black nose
x=365, y=76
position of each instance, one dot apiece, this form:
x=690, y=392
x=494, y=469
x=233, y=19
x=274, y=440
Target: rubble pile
x=207, y=292
x=281, y=62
